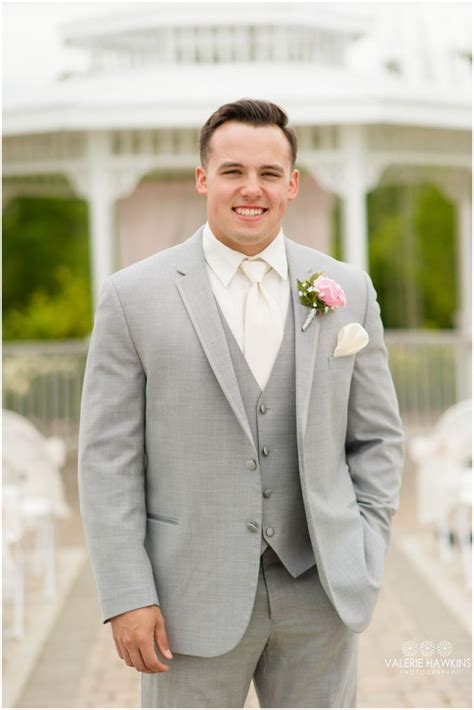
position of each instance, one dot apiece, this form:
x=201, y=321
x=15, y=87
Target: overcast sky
x=33, y=53
x=32, y=50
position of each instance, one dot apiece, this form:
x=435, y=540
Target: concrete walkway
x=421, y=603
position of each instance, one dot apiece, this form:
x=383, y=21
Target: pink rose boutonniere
x=320, y=294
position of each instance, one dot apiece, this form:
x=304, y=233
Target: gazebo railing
x=43, y=380
x=427, y=369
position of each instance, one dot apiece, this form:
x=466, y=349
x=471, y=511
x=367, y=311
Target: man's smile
x=249, y=213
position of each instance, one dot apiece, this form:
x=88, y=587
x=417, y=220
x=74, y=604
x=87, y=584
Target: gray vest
x=272, y=417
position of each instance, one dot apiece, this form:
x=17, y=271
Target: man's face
x=248, y=182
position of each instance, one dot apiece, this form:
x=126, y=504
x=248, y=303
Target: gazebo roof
x=183, y=93
x=179, y=96
x=118, y=28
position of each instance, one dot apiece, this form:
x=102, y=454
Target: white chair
x=444, y=474
x=463, y=524
x=13, y=559
x=35, y=460
x=35, y=497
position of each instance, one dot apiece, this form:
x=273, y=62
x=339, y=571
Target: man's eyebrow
x=230, y=165
x=277, y=168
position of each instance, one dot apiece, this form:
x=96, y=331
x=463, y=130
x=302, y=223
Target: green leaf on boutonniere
x=314, y=296
x=308, y=297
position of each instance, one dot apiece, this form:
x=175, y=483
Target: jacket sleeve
x=375, y=438
x=111, y=462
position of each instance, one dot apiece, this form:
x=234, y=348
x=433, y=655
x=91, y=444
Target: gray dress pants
x=296, y=649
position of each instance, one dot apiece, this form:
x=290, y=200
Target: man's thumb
x=162, y=640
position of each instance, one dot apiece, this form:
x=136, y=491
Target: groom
x=238, y=473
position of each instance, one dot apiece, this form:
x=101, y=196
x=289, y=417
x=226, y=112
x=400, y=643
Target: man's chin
x=250, y=244
x=251, y=236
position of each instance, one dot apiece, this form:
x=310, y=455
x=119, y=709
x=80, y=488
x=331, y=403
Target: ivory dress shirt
x=230, y=285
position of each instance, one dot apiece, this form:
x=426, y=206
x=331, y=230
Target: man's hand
x=134, y=635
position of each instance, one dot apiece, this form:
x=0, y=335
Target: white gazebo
x=369, y=110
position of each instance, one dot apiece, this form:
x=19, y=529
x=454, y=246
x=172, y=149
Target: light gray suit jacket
x=164, y=441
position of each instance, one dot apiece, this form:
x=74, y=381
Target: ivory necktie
x=263, y=326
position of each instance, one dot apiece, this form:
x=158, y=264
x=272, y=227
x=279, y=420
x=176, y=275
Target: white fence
x=43, y=380
x=431, y=372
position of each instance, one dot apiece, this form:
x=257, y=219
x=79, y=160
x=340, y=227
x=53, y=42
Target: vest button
x=263, y=408
x=270, y=532
x=265, y=451
x=253, y=527
x=251, y=465
x=267, y=493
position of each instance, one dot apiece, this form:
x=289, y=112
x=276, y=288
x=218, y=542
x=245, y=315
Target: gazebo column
x=100, y=225
x=101, y=204
x=464, y=324
x=353, y=194
x=102, y=182
x=457, y=185
x=350, y=172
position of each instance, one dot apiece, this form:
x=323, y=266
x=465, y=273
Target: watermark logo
x=428, y=657
x=427, y=649
x=444, y=648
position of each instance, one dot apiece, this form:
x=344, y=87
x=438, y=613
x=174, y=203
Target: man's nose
x=251, y=187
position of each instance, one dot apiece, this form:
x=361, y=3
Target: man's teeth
x=248, y=212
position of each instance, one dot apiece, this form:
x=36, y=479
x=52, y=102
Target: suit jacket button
x=270, y=532
x=267, y=493
x=251, y=465
x=263, y=408
x=253, y=527
x=265, y=451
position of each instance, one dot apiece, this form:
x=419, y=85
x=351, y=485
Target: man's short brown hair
x=252, y=111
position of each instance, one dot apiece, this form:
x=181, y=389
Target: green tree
x=412, y=256
x=46, y=280
x=63, y=315
x=434, y=223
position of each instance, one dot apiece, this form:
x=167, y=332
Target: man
x=240, y=462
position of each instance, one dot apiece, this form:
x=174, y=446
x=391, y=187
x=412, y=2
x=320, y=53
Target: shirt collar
x=225, y=261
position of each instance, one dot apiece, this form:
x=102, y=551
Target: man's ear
x=201, y=180
x=293, y=185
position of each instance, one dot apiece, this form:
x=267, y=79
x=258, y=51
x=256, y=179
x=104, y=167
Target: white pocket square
x=350, y=339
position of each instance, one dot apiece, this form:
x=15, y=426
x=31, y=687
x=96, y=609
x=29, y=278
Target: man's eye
x=237, y=172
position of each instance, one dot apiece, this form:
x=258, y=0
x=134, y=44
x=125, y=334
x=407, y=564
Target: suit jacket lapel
x=306, y=343
x=195, y=290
